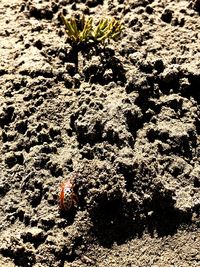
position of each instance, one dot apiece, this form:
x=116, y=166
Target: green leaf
x=82, y=30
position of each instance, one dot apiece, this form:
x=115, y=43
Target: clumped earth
x=123, y=119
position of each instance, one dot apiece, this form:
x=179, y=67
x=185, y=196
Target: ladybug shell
x=66, y=196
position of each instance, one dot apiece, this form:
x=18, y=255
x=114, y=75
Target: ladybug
x=67, y=196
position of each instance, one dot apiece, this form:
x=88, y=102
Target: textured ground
x=124, y=122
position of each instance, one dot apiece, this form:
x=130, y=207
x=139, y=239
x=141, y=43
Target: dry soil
x=121, y=119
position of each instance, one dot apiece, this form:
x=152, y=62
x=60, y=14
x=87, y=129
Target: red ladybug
x=67, y=196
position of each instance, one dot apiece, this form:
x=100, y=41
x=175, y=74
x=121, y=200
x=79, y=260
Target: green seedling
x=82, y=31
x=107, y=29
x=78, y=31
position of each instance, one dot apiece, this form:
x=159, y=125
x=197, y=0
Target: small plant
x=107, y=29
x=81, y=30
x=78, y=31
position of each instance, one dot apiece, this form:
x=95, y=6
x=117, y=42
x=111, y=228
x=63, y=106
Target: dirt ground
x=124, y=124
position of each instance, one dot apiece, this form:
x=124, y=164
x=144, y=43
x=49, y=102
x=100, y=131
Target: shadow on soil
x=114, y=222
x=163, y=218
